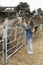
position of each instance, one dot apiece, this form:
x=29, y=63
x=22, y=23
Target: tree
x=33, y=12
x=40, y=11
x=24, y=7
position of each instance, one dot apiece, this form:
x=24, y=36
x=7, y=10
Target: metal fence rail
x=5, y=43
x=1, y=41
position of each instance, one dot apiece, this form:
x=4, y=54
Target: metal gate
x=13, y=39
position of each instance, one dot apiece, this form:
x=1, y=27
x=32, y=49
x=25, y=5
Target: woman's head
x=31, y=23
x=23, y=19
x=27, y=21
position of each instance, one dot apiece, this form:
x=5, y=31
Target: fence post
x=5, y=27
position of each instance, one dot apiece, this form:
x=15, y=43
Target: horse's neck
x=13, y=22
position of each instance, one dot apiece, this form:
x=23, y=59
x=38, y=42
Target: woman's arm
x=24, y=25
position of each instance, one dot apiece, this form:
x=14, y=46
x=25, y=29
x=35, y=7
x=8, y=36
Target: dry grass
x=23, y=58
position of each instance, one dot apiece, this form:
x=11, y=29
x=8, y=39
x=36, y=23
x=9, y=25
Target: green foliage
x=23, y=5
x=33, y=12
x=40, y=11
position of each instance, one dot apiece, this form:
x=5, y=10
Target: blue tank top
x=29, y=33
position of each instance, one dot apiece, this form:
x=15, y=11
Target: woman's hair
x=31, y=23
x=25, y=19
x=22, y=19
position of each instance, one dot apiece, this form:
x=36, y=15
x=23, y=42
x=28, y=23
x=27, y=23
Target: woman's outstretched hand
x=33, y=30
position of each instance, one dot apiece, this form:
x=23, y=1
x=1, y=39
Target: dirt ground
x=23, y=58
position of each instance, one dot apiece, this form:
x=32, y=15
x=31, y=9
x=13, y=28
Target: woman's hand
x=33, y=30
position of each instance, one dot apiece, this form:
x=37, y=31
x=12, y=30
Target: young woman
x=29, y=33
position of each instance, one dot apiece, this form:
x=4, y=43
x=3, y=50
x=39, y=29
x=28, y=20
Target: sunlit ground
x=23, y=58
